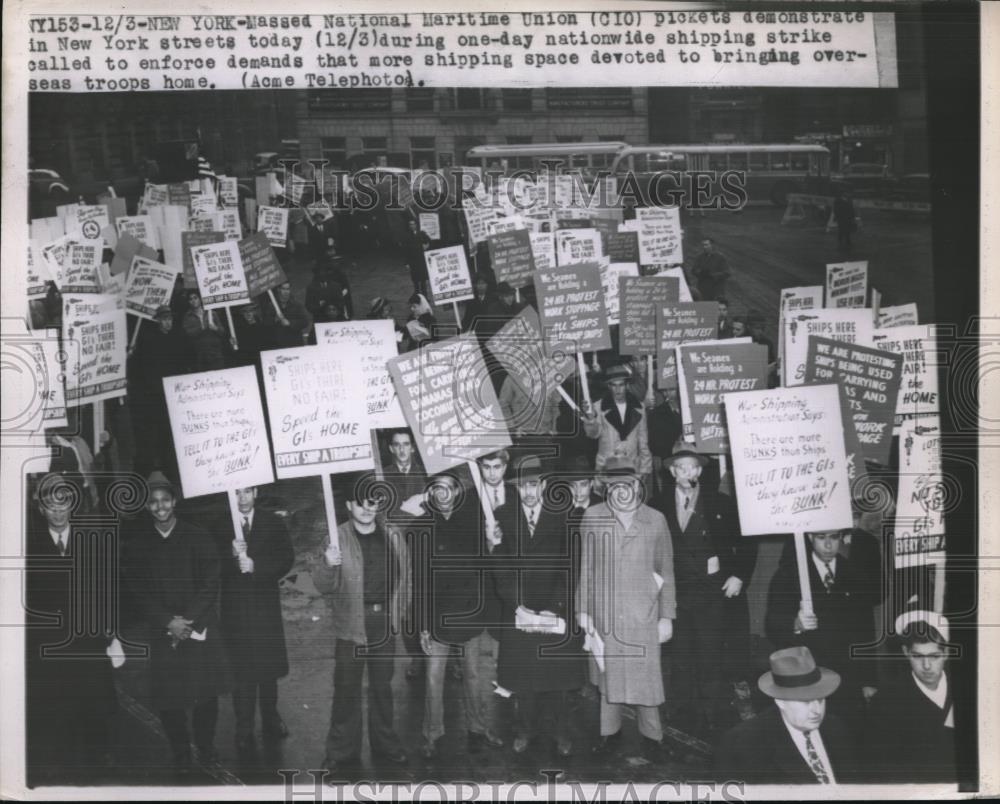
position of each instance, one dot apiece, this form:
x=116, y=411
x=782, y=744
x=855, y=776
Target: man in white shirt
x=796, y=742
x=493, y=467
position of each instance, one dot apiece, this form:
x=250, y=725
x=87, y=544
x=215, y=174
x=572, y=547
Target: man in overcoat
x=533, y=577
x=253, y=562
x=173, y=569
x=618, y=424
x=626, y=604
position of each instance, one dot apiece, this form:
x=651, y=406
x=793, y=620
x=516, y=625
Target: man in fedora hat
x=625, y=603
x=618, y=423
x=173, y=570
x=796, y=742
x=713, y=565
x=910, y=728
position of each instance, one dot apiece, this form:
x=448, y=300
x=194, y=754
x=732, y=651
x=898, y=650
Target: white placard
x=273, y=221
x=918, y=391
x=659, y=236
x=81, y=267
x=430, y=224
x=919, y=536
x=449, y=275
x=543, y=249
x=221, y=279
x=150, y=284
x=141, y=228
x=95, y=323
x=847, y=284
x=611, y=274
x=578, y=245
x=852, y=325
x=900, y=315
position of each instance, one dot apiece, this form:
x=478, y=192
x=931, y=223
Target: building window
x=467, y=100
x=569, y=138
x=618, y=99
x=422, y=153
x=334, y=151
x=375, y=150
x=419, y=99
x=516, y=100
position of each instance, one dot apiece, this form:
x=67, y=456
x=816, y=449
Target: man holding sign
x=618, y=424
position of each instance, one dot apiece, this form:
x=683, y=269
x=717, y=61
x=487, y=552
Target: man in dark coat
x=796, y=742
x=453, y=613
x=844, y=217
x=712, y=567
x=253, y=562
x=70, y=695
x=173, y=570
x=711, y=270
x=415, y=245
x=843, y=596
x=290, y=322
x=535, y=577
x=910, y=734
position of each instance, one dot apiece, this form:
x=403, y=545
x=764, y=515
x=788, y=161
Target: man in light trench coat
x=626, y=604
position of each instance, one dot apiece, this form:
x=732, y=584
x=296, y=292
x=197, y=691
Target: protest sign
x=149, y=285
x=919, y=535
x=430, y=224
x=900, y=315
x=511, y=257
x=81, y=267
x=641, y=297
x=203, y=224
x=709, y=370
x=518, y=346
x=227, y=221
x=219, y=270
x=870, y=381
x=88, y=221
x=55, y=255
x=114, y=284
x=190, y=240
x=847, y=284
x=611, y=276
x=319, y=425
x=273, y=222
x=37, y=273
x=477, y=221
x=683, y=290
x=449, y=402
x=918, y=392
x=171, y=221
x=659, y=236
x=155, y=195
x=229, y=193
x=44, y=352
x=543, y=250
x=571, y=307
x=375, y=343
x=45, y=230
x=578, y=245
x=261, y=267
x=179, y=194
x=96, y=323
x=510, y=223
x=682, y=383
x=789, y=465
x=295, y=187
x=623, y=247
x=680, y=323
x=449, y=275
x=790, y=302
x=849, y=325
x=202, y=206
x=141, y=228
x=218, y=429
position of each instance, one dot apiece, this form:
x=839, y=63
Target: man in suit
x=366, y=576
x=534, y=578
x=712, y=566
x=453, y=610
x=618, y=424
x=796, y=742
x=70, y=696
x=843, y=595
x=910, y=733
x=626, y=605
x=173, y=570
x=493, y=469
x=259, y=555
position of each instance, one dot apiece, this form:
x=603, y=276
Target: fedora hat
x=616, y=466
x=682, y=450
x=794, y=676
x=617, y=372
x=158, y=480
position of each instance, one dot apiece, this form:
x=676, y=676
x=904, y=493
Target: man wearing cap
x=70, y=695
x=843, y=596
x=454, y=611
x=796, y=742
x=625, y=603
x=534, y=584
x=479, y=308
x=366, y=578
x=173, y=570
x=507, y=306
x=712, y=565
x=258, y=556
x=618, y=423
x=910, y=728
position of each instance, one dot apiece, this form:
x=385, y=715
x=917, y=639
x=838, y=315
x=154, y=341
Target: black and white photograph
x=572, y=403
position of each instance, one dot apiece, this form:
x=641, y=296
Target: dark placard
x=710, y=372
x=870, y=381
x=449, y=402
x=188, y=241
x=260, y=264
x=179, y=194
x=518, y=346
x=571, y=307
x=641, y=297
x=622, y=246
x=607, y=227
x=681, y=323
x=512, y=258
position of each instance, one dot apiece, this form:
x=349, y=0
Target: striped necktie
x=828, y=577
x=815, y=763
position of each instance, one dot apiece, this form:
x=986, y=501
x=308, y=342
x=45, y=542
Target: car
x=46, y=191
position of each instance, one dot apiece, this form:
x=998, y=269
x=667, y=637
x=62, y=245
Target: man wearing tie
x=712, y=564
x=796, y=742
x=493, y=467
x=843, y=595
x=253, y=563
x=402, y=473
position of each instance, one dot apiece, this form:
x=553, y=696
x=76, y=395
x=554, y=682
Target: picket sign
x=135, y=334
x=801, y=561
x=234, y=512
x=331, y=514
x=583, y=379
